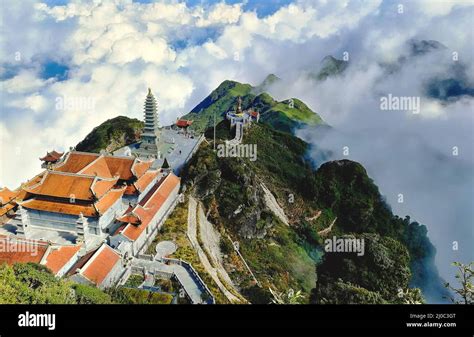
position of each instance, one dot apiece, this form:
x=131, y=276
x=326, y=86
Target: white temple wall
x=58, y=221
x=110, y=280
x=68, y=265
x=145, y=239
x=109, y=216
x=148, y=188
x=116, y=240
x=113, y=276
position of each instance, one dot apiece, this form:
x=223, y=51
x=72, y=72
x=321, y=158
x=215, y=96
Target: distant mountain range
x=447, y=87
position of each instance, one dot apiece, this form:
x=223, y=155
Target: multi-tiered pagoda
x=150, y=136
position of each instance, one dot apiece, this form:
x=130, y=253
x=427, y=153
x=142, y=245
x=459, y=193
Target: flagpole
x=214, y=130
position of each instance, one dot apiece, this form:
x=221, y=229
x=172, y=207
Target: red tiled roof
x=7, y=200
x=147, y=211
x=151, y=192
x=145, y=180
x=59, y=256
x=108, y=200
x=81, y=262
x=254, y=113
x=56, y=153
x=52, y=156
x=71, y=186
x=4, y=209
x=102, y=165
x=120, y=166
x=130, y=217
x=86, y=178
x=97, y=168
x=101, y=186
x=76, y=161
x=76, y=208
x=100, y=264
x=60, y=207
x=33, y=181
x=17, y=250
x=140, y=167
x=62, y=185
x=182, y=123
x=7, y=195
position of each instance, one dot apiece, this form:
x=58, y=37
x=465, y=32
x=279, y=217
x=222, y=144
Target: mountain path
x=192, y=235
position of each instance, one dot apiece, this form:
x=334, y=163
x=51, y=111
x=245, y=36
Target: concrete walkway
x=184, y=277
x=239, y=134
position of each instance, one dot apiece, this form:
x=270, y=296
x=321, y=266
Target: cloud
x=417, y=155
x=24, y=82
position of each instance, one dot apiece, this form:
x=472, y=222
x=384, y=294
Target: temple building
x=7, y=198
x=87, y=214
x=102, y=267
x=140, y=223
x=183, y=124
x=177, y=142
x=150, y=137
x=246, y=117
x=51, y=158
x=18, y=250
x=83, y=195
x=58, y=259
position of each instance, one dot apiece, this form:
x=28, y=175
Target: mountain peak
x=284, y=115
x=267, y=82
x=331, y=66
x=420, y=47
x=328, y=58
x=226, y=84
x=270, y=79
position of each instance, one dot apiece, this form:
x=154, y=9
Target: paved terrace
x=174, y=145
x=52, y=235
x=189, y=282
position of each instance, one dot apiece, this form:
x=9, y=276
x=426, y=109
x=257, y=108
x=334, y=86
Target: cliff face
x=286, y=255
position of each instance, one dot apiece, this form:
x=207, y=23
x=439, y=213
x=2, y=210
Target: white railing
x=193, y=273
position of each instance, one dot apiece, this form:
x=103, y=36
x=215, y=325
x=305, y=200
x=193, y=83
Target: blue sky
x=262, y=7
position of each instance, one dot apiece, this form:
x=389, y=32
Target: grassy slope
x=277, y=114
x=111, y=135
x=221, y=100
